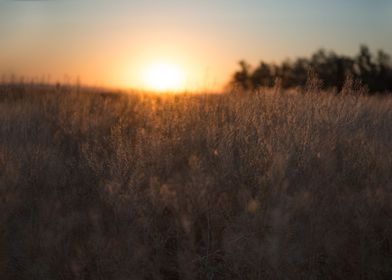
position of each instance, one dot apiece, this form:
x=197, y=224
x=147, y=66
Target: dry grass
x=239, y=186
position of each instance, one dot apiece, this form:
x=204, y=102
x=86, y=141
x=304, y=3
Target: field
x=246, y=185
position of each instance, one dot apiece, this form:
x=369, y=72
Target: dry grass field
x=246, y=185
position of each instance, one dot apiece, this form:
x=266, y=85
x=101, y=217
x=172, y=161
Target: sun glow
x=162, y=77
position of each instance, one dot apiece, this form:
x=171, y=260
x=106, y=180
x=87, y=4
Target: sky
x=112, y=43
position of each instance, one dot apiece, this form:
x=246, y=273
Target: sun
x=163, y=76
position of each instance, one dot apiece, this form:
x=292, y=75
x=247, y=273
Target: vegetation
x=272, y=185
x=375, y=71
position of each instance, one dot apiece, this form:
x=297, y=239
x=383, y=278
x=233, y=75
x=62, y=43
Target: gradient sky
x=109, y=43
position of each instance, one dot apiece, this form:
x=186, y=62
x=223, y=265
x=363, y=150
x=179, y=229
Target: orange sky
x=112, y=43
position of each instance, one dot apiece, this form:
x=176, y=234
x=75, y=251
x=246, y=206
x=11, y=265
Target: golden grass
x=261, y=185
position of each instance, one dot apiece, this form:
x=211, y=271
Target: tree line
x=373, y=70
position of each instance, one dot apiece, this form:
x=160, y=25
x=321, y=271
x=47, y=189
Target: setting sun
x=164, y=77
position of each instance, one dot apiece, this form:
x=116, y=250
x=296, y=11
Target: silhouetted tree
x=242, y=77
x=285, y=74
x=374, y=72
x=384, y=72
x=263, y=76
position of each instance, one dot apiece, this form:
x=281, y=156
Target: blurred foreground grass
x=263, y=185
